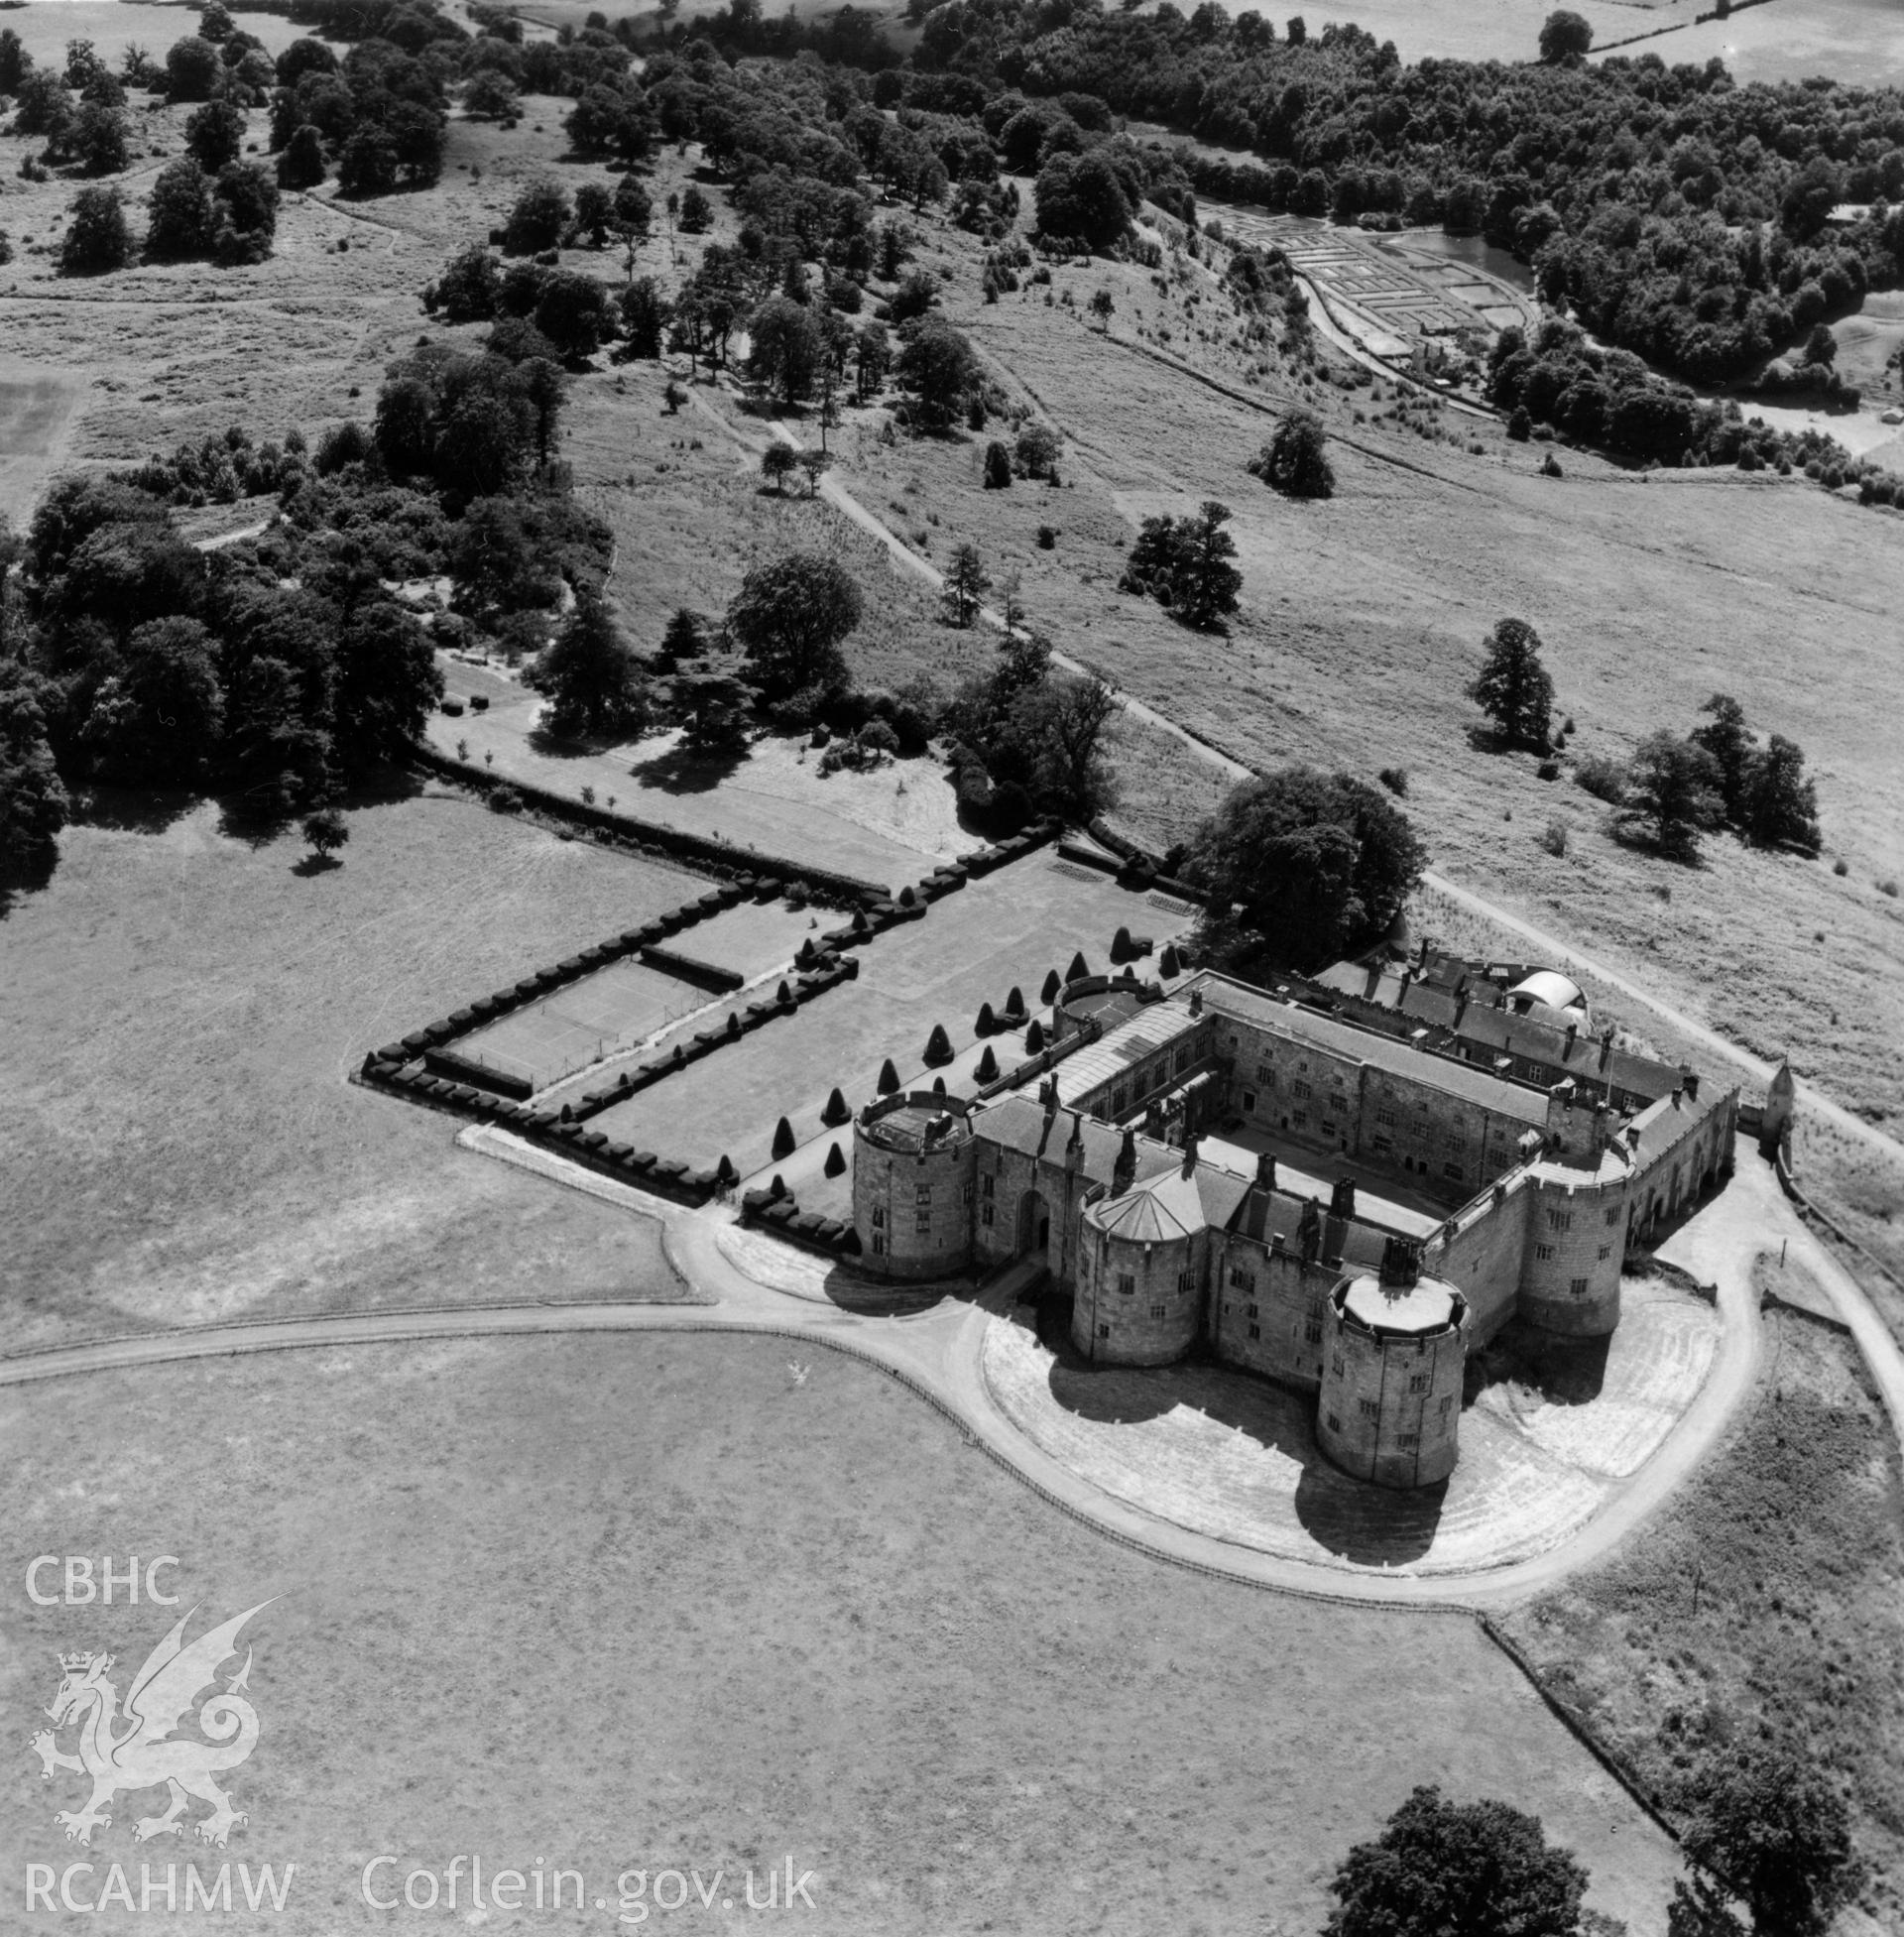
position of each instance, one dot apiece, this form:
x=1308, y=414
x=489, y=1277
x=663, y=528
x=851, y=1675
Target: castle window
x=1327, y=1129
x=1312, y=1334
x=1368, y=1408
x=1103, y=1331
x=879, y=1244
x=1265, y=1076
x=1543, y=1251
x=1126, y=1283
x=1241, y=1281
x=1159, y=1311
x=1255, y=1311
x=1578, y=1286
x=1302, y=1063
x=985, y=1215
x=987, y=1183
x=1446, y=1403
x=879, y=1216
x=1385, y=1116
x=1452, y=1170
x=1560, y=1220
x=1612, y=1214
x=1407, y=1440
x=923, y=1193
x=1335, y=1424
x=1301, y=1089
x=1183, y=1281
x=1300, y=1118
x=923, y=1221
x=1117, y=1101
x=1334, y=1367
x=965, y=1195
x=1255, y=1331
x=1418, y=1382
x=1250, y=1101
x=1605, y=1251
x=1382, y=1146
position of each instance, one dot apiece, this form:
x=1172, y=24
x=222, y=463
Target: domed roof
x=1402, y=1310
x=1549, y=987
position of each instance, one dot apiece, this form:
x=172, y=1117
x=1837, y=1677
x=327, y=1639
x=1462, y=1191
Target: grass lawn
x=625, y=1602
x=1002, y=930
x=177, y=1017
x=1765, y=1596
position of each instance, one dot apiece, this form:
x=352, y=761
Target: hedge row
x=1136, y=866
x=685, y=968
x=782, y=1216
x=432, y=1037
x=717, y=857
x=464, y=1069
x=668, y=1175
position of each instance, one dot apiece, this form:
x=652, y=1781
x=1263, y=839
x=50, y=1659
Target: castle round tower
x=1576, y=1243
x=1139, y=1273
x=913, y=1162
x=1394, y=1347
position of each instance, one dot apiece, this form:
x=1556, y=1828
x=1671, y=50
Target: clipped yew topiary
x=1052, y=989
x=889, y=1078
x=1014, y=1003
x=1034, y=1039
x=777, y=1189
x=938, y=1048
x=1169, y=962
x=782, y=1140
x=1122, y=949
x=907, y=897
x=1079, y=968
x=725, y=1172
x=835, y=1160
x=938, y=1086
x=785, y=992
x=988, y=1070
x=987, y=1023
x=836, y=1111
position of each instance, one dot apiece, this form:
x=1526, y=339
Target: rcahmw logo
x=136, y=1746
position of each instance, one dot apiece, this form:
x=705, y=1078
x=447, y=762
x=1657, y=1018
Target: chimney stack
x=1196, y=1001
x=1191, y=1139
x=1266, y=1171
x=1074, y=1150
x=1689, y=1078
x=1124, y=1172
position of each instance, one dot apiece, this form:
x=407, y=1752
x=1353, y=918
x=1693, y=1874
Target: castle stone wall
x=1571, y=1259
x=1138, y=1304
x=1267, y=1309
x=912, y=1209
x=1389, y=1410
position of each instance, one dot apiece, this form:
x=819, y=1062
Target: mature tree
x=594, y=212
x=97, y=139
x=698, y=212
x=244, y=213
x=368, y=164
x=871, y=358
x=1038, y=447
x=387, y=682
x=1184, y=563
x=1483, y=1870
x=195, y=69
x=15, y=62
x=715, y=727
x=45, y=106
x=575, y=313
x=779, y=462
x=1294, y=461
x=96, y=235
x=325, y=832
x=1672, y=794
x=789, y=618
x=684, y=638
x=633, y=208
x=1319, y=863
x=938, y=365
x=214, y=135
x=966, y=584
x=998, y=467
x=178, y=216
x=1061, y=722
x=157, y=719
x=466, y=290
x=301, y=165
x=1780, y=804
x=1730, y=742
x=1565, y=37
x=1773, y=1836
x=1103, y=307
x=1082, y=198
x=1811, y=195
x=644, y=317
x=540, y=217
x=785, y=349
x=594, y=684
x=33, y=803
x=1514, y=688
x=491, y=96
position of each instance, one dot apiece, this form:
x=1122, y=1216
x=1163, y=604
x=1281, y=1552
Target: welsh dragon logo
x=135, y=1749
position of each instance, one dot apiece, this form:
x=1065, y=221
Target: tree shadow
x=131, y=811
x=315, y=864
x=27, y=878
x=681, y=771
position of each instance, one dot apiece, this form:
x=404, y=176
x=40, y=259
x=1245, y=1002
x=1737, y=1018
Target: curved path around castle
x=937, y=1354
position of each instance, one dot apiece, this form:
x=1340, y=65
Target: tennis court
x=614, y=1009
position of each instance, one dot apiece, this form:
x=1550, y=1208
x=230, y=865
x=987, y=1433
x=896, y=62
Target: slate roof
x=1117, y=1049
x=1490, y=1091
x=1019, y=1124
